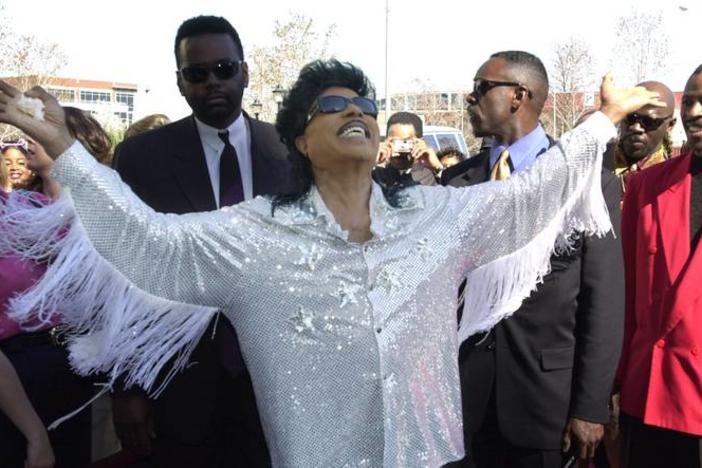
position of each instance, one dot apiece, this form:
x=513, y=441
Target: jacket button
x=695, y=351
x=652, y=249
x=660, y=343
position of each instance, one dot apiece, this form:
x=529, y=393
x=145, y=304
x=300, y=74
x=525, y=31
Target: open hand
x=51, y=132
x=617, y=103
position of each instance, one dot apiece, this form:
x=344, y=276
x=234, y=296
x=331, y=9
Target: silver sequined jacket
x=352, y=348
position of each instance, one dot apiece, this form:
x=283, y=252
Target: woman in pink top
x=38, y=385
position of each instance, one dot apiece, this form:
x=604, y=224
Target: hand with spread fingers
x=617, y=103
x=51, y=131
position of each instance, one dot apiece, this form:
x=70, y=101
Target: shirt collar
x=210, y=135
x=524, y=150
x=385, y=218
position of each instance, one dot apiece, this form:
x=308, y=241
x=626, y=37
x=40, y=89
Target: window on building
x=444, y=101
x=457, y=101
x=63, y=95
x=95, y=96
x=128, y=99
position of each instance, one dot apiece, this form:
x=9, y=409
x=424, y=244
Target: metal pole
x=553, y=123
x=388, y=104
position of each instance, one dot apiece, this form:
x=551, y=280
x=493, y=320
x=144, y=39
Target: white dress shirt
x=212, y=145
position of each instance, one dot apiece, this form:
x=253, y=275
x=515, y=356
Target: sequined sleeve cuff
x=600, y=127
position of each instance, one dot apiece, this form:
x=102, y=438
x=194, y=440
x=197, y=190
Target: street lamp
x=256, y=107
x=278, y=95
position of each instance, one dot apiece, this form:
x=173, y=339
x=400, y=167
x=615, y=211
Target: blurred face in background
x=18, y=174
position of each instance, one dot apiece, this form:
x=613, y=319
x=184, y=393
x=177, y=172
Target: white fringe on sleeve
x=494, y=291
x=111, y=326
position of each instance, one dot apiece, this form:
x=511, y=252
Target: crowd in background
x=600, y=366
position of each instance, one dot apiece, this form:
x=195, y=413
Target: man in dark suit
x=216, y=157
x=538, y=384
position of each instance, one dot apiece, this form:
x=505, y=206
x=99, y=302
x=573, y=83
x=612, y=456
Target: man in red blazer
x=660, y=373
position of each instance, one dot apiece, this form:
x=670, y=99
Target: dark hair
x=532, y=70
x=451, y=151
x=406, y=118
x=90, y=133
x=200, y=25
x=20, y=145
x=697, y=71
x=291, y=121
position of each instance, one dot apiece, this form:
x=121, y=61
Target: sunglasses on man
x=222, y=70
x=481, y=87
x=334, y=104
x=647, y=123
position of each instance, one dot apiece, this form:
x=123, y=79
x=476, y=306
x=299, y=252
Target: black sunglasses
x=646, y=122
x=481, y=87
x=223, y=70
x=334, y=104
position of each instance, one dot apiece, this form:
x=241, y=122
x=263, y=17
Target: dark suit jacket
x=166, y=168
x=388, y=176
x=556, y=357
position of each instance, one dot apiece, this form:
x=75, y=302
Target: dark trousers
x=491, y=450
x=234, y=440
x=207, y=418
x=645, y=446
x=54, y=391
x=485, y=446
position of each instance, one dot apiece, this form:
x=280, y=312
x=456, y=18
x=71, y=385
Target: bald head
x=666, y=95
x=645, y=131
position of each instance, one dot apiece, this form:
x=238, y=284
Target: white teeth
x=354, y=131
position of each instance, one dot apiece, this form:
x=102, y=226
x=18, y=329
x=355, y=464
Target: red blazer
x=660, y=372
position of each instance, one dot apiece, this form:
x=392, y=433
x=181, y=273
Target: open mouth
x=354, y=129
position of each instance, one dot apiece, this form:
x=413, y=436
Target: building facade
x=107, y=100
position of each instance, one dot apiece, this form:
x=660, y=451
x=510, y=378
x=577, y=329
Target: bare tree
x=572, y=66
x=571, y=73
x=297, y=42
x=25, y=61
x=642, y=45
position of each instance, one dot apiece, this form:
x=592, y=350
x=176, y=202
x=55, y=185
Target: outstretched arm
x=184, y=258
x=509, y=229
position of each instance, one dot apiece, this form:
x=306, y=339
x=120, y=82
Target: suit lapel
x=264, y=166
x=190, y=167
x=479, y=172
x=672, y=207
x=685, y=270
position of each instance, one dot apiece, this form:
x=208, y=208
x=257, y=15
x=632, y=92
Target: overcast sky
x=441, y=42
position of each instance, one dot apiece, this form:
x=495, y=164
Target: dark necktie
x=231, y=190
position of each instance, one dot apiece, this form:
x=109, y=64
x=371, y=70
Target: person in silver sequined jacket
x=352, y=345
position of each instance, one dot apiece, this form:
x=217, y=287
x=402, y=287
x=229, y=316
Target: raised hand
x=617, y=103
x=51, y=132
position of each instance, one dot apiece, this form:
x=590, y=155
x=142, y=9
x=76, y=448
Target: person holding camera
x=407, y=159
